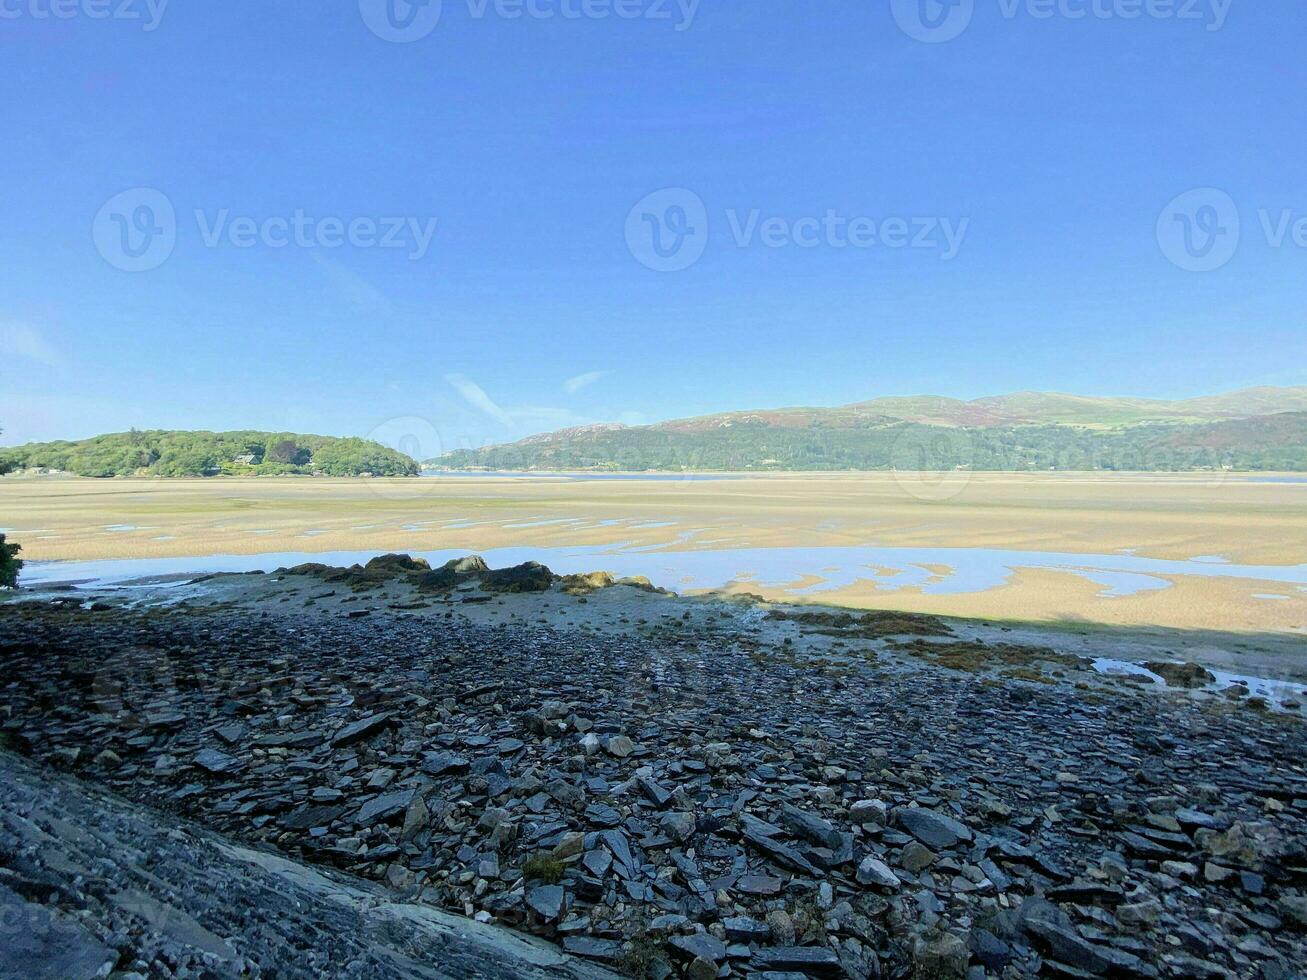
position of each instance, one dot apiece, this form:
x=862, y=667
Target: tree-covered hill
x=1273, y=442
x=180, y=453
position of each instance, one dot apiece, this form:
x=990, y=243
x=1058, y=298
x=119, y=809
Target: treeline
x=1268, y=443
x=179, y=453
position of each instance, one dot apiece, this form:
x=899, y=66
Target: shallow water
x=935, y=571
x=1275, y=692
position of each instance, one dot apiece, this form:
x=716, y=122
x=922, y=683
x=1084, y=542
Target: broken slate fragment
x=312, y=816
x=361, y=729
x=935, y=830
x=800, y=959
x=700, y=945
x=811, y=827
x=217, y=762
x=443, y=763
x=873, y=871
x=384, y=807
x=546, y=901
x=778, y=852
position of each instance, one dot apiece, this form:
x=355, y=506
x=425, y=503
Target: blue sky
x=1051, y=146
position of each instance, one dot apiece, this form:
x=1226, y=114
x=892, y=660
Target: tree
x=285, y=451
x=9, y=563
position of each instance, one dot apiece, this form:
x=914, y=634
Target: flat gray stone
x=935, y=830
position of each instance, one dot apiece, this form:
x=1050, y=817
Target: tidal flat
x=1204, y=551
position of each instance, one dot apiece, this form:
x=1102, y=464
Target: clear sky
x=1035, y=159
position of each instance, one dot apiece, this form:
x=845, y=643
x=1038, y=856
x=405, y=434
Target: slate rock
x=444, y=763
x=810, y=826
x=356, y=731
x=818, y=960
x=546, y=901
x=384, y=807
x=936, y=830
x=873, y=871
x=593, y=948
x=217, y=762
x=1065, y=945
x=698, y=945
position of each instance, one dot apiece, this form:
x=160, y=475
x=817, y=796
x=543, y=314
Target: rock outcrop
x=91, y=883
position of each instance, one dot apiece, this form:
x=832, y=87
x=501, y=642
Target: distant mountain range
x=1254, y=429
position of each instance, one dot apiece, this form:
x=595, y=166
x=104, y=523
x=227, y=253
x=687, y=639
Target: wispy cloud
x=352, y=287
x=475, y=396
x=20, y=340
x=573, y=385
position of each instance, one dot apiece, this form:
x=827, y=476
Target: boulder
x=391, y=566
x=530, y=576
x=469, y=566
x=587, y=583
x=1187, y=675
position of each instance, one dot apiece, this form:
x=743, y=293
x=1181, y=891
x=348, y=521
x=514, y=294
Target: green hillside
x=1063, y=432
x=179, y=453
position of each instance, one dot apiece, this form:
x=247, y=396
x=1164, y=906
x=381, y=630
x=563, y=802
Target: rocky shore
x=93, y=884
x=668, y=787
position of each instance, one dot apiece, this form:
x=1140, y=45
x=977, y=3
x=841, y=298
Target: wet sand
x=1152, y=515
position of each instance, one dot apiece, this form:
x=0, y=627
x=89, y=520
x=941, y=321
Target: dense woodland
x=174, y=453
x=1272, y=442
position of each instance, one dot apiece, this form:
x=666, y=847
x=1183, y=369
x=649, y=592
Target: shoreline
x=646, y=779
x=1149, y=518
x=1275, y=658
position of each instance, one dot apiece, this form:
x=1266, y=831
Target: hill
x=1021, y=408
x=180, y=453
x=1259, y=429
